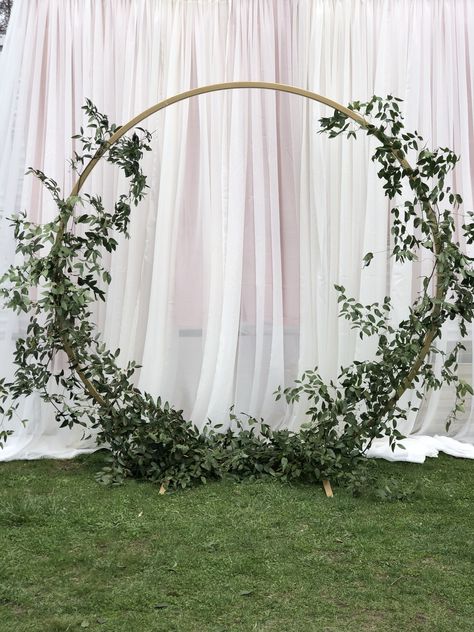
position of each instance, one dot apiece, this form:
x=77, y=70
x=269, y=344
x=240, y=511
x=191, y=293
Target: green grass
x=254, y=556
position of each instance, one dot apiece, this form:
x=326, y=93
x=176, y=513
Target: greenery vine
x=61, y=355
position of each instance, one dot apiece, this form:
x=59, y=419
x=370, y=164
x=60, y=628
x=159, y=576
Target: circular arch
x=439, y=289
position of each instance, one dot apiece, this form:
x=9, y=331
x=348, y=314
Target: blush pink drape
x=225, y=289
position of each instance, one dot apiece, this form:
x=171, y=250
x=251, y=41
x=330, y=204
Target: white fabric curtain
x=225, y=290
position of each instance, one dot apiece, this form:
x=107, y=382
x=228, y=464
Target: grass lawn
x=226, y=556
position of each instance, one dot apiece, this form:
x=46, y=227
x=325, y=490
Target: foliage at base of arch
x=61, y=356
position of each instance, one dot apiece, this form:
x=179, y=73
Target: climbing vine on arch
x=61, y=275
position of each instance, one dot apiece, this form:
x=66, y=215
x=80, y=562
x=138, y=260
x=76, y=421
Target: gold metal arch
x=439, y=290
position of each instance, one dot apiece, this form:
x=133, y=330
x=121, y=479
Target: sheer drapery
x=225, y=290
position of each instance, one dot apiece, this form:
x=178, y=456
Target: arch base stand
x=327, y=488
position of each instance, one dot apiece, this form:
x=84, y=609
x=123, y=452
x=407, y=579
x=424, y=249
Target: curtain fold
x=226, y=288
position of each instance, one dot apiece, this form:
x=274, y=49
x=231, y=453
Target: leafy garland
x=62, y=357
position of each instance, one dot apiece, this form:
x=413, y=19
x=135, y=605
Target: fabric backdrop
x=225, y=290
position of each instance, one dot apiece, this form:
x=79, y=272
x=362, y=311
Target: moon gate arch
x=438, y=292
